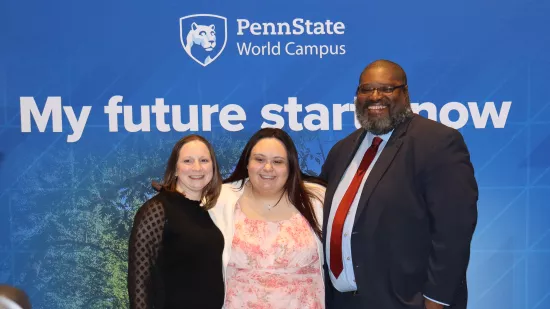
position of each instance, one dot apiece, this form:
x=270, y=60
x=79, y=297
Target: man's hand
x=432, y=305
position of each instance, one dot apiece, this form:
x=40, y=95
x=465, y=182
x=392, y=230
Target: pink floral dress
x=274, y=265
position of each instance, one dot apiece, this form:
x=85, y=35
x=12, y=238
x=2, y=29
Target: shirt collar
x=384, y=137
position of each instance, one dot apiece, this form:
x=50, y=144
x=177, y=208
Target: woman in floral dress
x=273, y=255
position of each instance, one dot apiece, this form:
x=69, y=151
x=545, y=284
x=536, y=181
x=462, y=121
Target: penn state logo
x=203, y=37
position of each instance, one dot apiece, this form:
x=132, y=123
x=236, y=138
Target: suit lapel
x=379, y=169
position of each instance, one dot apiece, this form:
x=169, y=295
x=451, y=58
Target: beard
x=382, y=124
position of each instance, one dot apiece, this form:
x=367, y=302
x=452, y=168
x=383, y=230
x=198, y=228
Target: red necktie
x=336, y=264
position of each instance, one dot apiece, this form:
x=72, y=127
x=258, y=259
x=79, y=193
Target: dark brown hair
x=211, y=191
x=300, y=196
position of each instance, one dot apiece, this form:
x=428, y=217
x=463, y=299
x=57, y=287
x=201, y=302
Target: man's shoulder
x=429, y=129
x=349, y=138
x=430, y=137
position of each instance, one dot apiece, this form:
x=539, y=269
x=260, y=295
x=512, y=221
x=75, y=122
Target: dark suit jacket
x=415, y=218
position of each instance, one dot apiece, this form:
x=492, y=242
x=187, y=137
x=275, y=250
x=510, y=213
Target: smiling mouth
x=197, y=177
x=267, y=177
x=377, y=107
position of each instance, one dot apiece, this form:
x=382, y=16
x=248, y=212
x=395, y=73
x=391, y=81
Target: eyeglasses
x=367, y=90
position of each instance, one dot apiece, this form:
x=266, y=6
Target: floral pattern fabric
x=274, y=265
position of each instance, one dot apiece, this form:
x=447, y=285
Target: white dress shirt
x=346, y=280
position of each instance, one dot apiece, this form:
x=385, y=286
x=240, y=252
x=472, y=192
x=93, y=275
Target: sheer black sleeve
x=143, y=251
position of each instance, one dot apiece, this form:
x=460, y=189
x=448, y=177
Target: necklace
x=268, y=206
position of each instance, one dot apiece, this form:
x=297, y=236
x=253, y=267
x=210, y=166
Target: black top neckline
x=176, y=196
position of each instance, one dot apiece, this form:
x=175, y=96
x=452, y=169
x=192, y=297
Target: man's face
x=382, y=100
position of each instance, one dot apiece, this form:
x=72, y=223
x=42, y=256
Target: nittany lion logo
x=201, y=36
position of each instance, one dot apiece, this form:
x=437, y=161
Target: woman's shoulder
x=229, y=194
x=235, y=185
x=315, y=188
x=162, y=199
x=153, y=204
x=231, y=190
x=222, y=212
x=151, y=213
x=314, y=185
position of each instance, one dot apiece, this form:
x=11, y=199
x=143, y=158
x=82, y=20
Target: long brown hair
x=211, y=191
x=300, y=196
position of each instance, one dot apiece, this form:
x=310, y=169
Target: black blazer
x=415, y=218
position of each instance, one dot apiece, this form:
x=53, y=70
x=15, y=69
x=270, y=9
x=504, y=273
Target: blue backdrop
x=94, y=94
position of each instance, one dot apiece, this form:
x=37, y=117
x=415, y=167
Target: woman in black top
x=175, y=250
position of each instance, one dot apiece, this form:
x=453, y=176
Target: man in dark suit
x=400, y=206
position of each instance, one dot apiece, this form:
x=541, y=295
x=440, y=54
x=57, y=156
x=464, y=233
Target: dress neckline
x=238, y=207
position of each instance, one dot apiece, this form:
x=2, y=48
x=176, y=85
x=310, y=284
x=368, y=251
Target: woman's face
x=268, y=166
x=194, y=169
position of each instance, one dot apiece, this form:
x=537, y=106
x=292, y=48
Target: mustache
x=383, y=101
